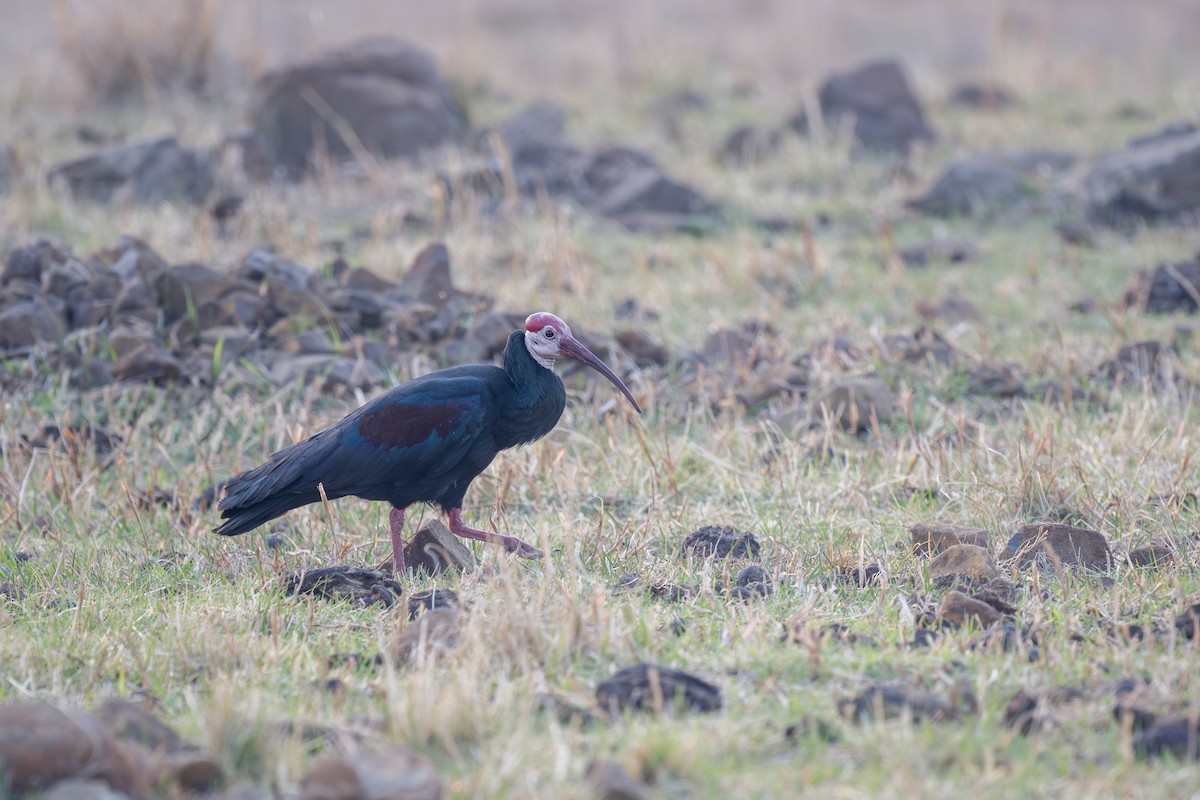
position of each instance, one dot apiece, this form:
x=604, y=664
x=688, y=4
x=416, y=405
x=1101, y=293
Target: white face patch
x=545, y=344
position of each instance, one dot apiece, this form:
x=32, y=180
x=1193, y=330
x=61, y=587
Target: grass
x=228, y=658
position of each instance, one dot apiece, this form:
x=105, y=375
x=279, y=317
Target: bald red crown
x=542, y=319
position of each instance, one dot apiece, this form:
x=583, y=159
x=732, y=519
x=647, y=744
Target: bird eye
x=549, y=333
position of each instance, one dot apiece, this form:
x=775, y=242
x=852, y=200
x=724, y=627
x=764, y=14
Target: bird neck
x=528, y=377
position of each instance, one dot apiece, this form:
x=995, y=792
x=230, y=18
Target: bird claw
x=514, y=545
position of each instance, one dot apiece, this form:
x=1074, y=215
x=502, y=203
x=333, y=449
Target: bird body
x=422, y=441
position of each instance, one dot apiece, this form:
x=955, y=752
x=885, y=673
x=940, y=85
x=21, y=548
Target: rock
x=394, y=774
x=982, y=97
x=649, y=687
x=160, y=171
x=722, y=542
x=536, y=126
x=30, y=323
x=1170, y=287
x=970, y=186
x=995, y=380
x=431, y=599
x=773, y=379
x=857, y=403
x=752, y=582
x=76, y=437
x=648, y=198
x=1048, y=544
x=938, y=251
x=566, y=712
x=1155, y=554
x=738, y=348
x=148, y=363
x=959, y=610
x=32, y=262
x=183, y=289
x=41, y=745
x=432, y=634
x=1135, y=365
x=610, y=781
x=428, y=279
x=1188, y=622
x=934, y=537
x=966, y=561
x=645, y=351
x=360, y=586
x=331, y=372
x=1153, y=180
x=1179, y=738
x=189, y=767
x=891, y=702
x=435, y=550
x=748, y=145
x=385, y=91
x=876, y=101
x=1006, y=638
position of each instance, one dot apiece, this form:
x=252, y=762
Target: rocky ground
x=913, y=506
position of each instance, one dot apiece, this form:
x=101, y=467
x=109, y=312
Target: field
x=1028, y=381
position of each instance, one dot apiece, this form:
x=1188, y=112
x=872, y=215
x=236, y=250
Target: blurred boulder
x=972, y=185
x=1154, y=179
x=160, y=171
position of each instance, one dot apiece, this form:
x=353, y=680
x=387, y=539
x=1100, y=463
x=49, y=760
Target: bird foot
x=510, y=543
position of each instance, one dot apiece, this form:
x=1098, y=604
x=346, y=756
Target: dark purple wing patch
x=401, y=425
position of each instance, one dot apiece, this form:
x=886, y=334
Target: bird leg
x=396, y=519
x=510, y=543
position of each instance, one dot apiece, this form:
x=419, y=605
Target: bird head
x=547, y=338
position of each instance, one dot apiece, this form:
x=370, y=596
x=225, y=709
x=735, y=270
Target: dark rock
x=722, y=542
x=741, y=347
x=160, y=171
x=430, y=599
x=76, y=437
x=648, y=192
x=934, y=537
x=434, y=550
x=752, y=582
x=1006, y=638
x=862, y=577
x=938, y=251
x=876, y=100
x=332, y=373
x=858, y=403
x=225, y=209
x=1178, y=738
x=33, y=262
x=30, y=323
x=148, y=363
x=385, y=91
x=972, y=185
x=183, y=289
x=609, y=781
x=645, y=351
x=891, y=702
x=923, y=637
x=958, y=610
x=813, y=728
x=1170, y=287
x=648, y=687
x=965, y=561
x=539, y=125
x=1048, y=544
x=995, y=380
x=672, y=592
x=1155, y=554
x=187, y=765
x=748, y=145
x=982, y=97
x=1153, y=180
x=1135, y=365
x=1076, y=232
x=361, y=586
x=41, y=745
x=394, y=774
x=428, y=279
x=432, y=634
x=1188, y=622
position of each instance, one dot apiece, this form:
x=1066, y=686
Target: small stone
x=610, y=781
x=148, y=363
x=432, y=634
x=891, y=702
x=1179, y=738
x=1155, y=554
x=30, y=323
x=959, y=610
x=934, y=537
x=430, y=599
x=41, y=745
x=396, y=774
x=753, y=581
x=435, y=550
x=1048, y=544
x=965, y=561
x=359, y=585
x=722, y=542
x=856, y=404
x=649, y=687
x=645, y=351
x=1188, y=622
x=995, y=380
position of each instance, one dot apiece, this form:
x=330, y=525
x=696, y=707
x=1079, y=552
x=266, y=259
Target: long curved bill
x=571, y=347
